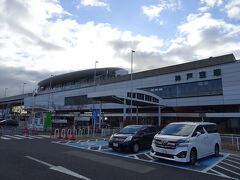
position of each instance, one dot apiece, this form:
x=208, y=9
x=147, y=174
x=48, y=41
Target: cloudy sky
x=40, y=38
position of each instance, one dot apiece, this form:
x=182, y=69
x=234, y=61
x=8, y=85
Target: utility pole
x=132, y=52
x=93, y=110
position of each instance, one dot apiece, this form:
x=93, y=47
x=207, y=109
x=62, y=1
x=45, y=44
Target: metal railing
x=230, y=141
x=66, y=133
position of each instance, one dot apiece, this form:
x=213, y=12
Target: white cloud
x=203, y=36
x=233, y=9
x=212, y=3
x=46, y=41
x=154, y=11
x=94, y=3
x=49, y=39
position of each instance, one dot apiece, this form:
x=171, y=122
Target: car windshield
x=130, y=130
x=177, y=130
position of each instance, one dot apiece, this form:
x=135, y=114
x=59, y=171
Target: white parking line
x=24, y=137
x=230, y=165
x=228, y=170
x=235, y=155
x=135, y=157
x=59, y=168
x=232, y=161
x=220, y=160
x=5, y=138
x=150, y=157
x=234, y=158
x=219, y=173
x=99, y=148
x=36, y=137
x=13, y=137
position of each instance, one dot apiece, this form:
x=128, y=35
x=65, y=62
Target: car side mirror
x=198, y=134
x=141, y=133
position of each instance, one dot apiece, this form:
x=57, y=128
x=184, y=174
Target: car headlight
x=183, y=143
x=129, y=138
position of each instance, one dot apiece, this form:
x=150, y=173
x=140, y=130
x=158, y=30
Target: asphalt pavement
x=40, y=159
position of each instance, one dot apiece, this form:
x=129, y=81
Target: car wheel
x=216, y=150
x=135, y=147
x=193, y=157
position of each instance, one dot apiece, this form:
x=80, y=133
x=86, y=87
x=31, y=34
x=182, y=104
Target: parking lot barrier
x=69, y=131
x=66, y=137
x=238, y=144
x=56, y=133
x=63, y=133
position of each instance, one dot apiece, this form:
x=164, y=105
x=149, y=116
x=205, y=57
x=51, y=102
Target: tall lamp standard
x=5, y=92
x=23, y=97
x=50, y=89
x=132, y=52
x=93, y=111
x=95, y=74
x=23, y=87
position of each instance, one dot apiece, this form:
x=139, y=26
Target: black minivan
x=133, y=137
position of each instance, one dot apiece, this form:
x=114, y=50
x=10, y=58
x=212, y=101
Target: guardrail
x=231, y=141
x=66, y=133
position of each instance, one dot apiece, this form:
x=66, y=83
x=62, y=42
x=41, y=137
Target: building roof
x=68, y=77
x=211, y=61
x=73, y=76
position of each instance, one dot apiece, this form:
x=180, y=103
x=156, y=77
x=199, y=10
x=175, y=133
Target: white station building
x=207, y=89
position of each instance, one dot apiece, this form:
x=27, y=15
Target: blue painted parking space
x=101, y=145
x=89, y=143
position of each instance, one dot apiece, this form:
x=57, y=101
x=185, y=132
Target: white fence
x=231, y=141
x=83, y=132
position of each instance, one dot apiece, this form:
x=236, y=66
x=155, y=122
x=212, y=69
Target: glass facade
x=77, y=100
x=193, y=89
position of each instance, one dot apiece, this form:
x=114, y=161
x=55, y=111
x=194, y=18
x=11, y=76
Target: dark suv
x=133, y=137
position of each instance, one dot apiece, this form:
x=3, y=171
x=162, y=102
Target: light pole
x=132, y=52
x=50, y=89
x=95, y=73
x=23, y=87
x=93, y=110
x=5, y=92
x=23, y=98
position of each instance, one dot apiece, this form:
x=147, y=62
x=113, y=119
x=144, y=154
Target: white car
x=186, y=141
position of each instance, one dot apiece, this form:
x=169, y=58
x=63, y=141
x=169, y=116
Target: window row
x=193, y=89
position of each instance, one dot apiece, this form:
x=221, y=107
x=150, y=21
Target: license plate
x=115, y=144
x=163, y=151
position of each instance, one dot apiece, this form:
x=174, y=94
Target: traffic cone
x=26, y=132
x=72, y=137
x=66, y=137
x=60, y=135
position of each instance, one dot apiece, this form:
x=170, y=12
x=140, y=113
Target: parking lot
x=226, y=165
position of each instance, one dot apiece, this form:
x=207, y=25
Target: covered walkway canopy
x=136, y=98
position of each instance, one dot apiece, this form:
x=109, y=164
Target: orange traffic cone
x=26, y=132
x=66, y=137
x=60, y=135
x=72, y=137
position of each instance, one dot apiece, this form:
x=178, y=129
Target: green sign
x=48, y=120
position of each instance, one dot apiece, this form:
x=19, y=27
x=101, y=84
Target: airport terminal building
x=207, y=89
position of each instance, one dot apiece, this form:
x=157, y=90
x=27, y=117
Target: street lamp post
x=5, y=92
x=50, y=89
x=132, y=52
x=23, y=87
x=23, y=99
x=93, y=110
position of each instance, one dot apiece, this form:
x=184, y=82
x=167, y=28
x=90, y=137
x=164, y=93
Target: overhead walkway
x=134, y=98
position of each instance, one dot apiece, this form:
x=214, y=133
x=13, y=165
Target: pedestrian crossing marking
x=14, y=137
x=5, y=138
x=20, y=137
